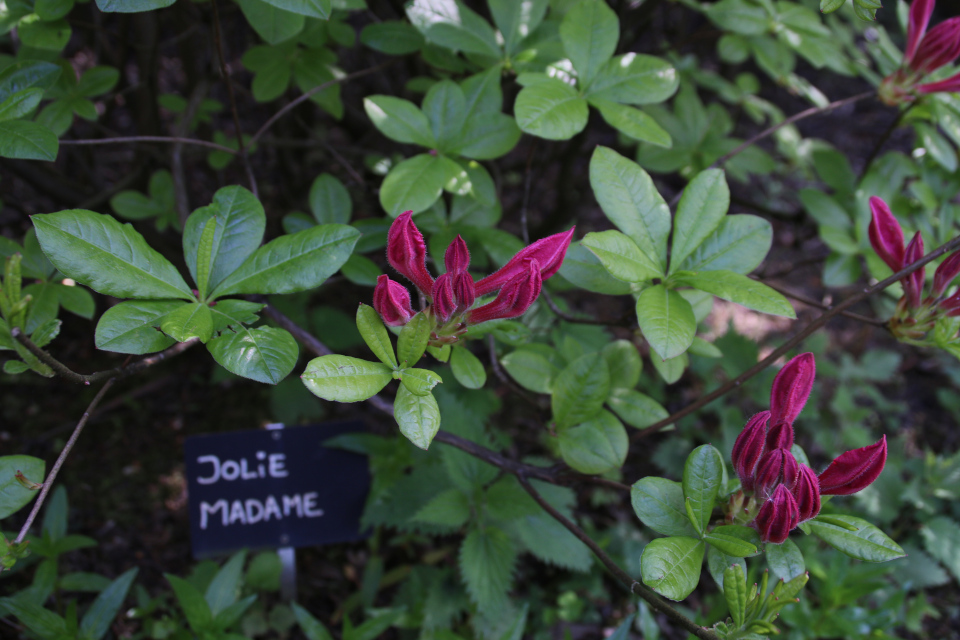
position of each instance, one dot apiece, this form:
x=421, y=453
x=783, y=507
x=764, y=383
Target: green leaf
x=867, y=543
x=740, y=289
x=375, y=335
x=272, y=24
x=624, y=363
x=311, y=627
x=345, y=379
x=785, y=560
x=13, y=495
x=659, y=504
x=225, y=586
x=310, y=8
x=667, y=321
x=20, y=104
x=392, y=37
x=132, y=6
x=632, y=122
x=589, y=33
x=414, y=338
x=107, y=256
x=448, y=508
x=420, y=382
x=96, y=621
x=621, y=256
x=739, y=244
x=635, y=79
x=296, y=262
x=400, y=120
x=450, y=24
x=579, y=391
x=704, y=203
x=134, y=327
x=44, y=623
x=516, y=20
x=702, y=475
x=634, y=408
x=329, y=200
x=445, y=107
x=239, y=231
x=551, y=109
x=735, y=593
x=195, y=608
x=415, y=184
x=25, y=140
x=467, y=368
x=191, y=320
x=671, y=566
x=487, y=560
x=631, y=202
x=417, y=416
x=531, y=370
x=941, y=537
x=264, y=354
x=595, y=446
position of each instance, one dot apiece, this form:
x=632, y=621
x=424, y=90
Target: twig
x=636, y=587
x=797, y=339
x=66, y=372
x=160, y=139
x=306, y=96
x=824, y=307
x=48, y=482
x=883, y=140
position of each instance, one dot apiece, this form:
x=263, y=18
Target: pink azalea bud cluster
x=925, y=52
x=452, y=295
x=787, y=491
x=916, y=314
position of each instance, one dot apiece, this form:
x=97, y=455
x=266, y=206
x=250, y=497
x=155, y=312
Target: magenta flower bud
x=749, y=448
x=407, y=252
x=515, y=296
x=854, y=470
x=457, y=256
x=939, y=47
x=548, y=253
x=392, y=301
x=886, y=236
x=920, y=12
x=945, y=274
x=776, y=467
x=778, y=516
x=807, y=493
x=790, y=390
x=948, y=85
x=913, y=283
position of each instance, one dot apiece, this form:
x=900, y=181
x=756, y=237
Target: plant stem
x=636, y=587
x=160, y=139
x=48, y=482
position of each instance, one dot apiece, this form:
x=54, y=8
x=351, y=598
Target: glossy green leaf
x=624, y=363
x=867, y=543
x=417, y=416
x=345, y=379
x=551, y=109
x=659, y=504
x=671, y=566
x=632, y=122
x=271, y=23
x=296, y=262
x=329, y=200
x=467, y=368
x=579, y=391
x=450, y=24
x=634, y=408
x=25, y=140
x=631, y=202
x=702, y=475
x=635, y=79
x=416, y=183
x=704, y=203
x=739, y=244
x=413, y=339
x=189, y=320
x=264, y=354
x=420, y=382
x=134, y=326
x=132, y=6
x=13, y=495
x=596, y=445
x=740, y=289
x=392, y=37
x=101, y=614
x=620, y=256
x=107, y=256
x=375, y=335
x=400, y=120
x=531, y=370
x=589, y=33
x=666, y=320
x=785, y=560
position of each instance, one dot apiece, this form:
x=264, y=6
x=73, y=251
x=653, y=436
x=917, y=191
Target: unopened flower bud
x=548, y=253
x=392, y=301
x=913, y=283
x=945, y=273
x=791, y=389
x=886, y=236
x=777, y=517
x=407, y=252
x=854, y=470
x=749, y=448
x=515, y=296
x=807, y=493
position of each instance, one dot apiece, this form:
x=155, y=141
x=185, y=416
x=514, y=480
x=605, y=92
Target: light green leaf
x=635, y=79
x=704, y=203
x=345, y=379
x=329, y=200
x=98, y=618
x=671, y=566
x=417, y=416
x=190, y=320
x=413, y=339
x=264, y=354
x=107, y=256
x=25, y=140
x=621, y=256
x=551, y=109
x=702, y=475
x=867, y=543
x=375, y=335
x=631, y=202
x=596, y=445
x=400, y=120
x=487, y=559
x=739, y=244
x=634, y=408
x=632, y=122
x=467, y=368
x=589, y=33
x=666, y=320
x=740, y=289
x=579, y=391
x=295, y=262
x=133, y=326
x=419, y=381
x=13, y=495
x=659, y=504
x=450, y=24
x=415, y=184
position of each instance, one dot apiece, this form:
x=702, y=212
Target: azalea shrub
x=507, y=236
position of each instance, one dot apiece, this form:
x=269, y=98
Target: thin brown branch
x=160, y=139
x=635, y=586
x=48, y=482
x=67, y=373
x=799, y=337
